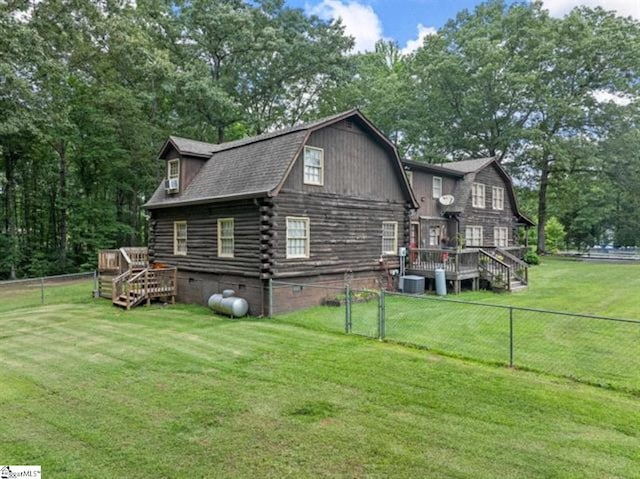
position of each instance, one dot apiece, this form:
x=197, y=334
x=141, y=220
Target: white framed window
x=497, y=197
x=297, y=237
x=409, y=174
x=501, y=236
x=225, y=237
x=173, y=169
x=435, y=236
x=180, y=238
x=477, y=195
x=473, y=236
x=436, y=187
x=389, y=237
x=313, y=165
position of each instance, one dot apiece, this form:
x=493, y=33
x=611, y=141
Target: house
x=467, y=206
x=308, y=204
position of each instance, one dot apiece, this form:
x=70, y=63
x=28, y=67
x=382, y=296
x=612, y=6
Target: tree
x=513, y=82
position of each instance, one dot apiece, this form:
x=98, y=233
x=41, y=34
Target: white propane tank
x=227, y=303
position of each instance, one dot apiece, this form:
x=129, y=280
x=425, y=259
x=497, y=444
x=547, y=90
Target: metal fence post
x=510, y=337
x=95, y=282
x=347, y=309
x=271, y=297
x=41, y=290
x=381, y=314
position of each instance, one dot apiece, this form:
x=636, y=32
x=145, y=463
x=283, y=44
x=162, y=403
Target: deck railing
x=519, y=268
x=130, y=289
x=451, y=261
x=123, y=259
x=494, y=270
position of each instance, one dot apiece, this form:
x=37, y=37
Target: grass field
x=87, y=390
x=600, y=352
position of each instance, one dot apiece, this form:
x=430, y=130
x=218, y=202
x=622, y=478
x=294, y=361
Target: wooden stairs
x=126, y=277
x=503, y=270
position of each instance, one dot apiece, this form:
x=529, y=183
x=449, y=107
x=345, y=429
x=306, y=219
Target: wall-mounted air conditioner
x=172, y=185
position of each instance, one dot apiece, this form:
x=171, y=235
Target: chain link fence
x=595, y=349
x=46, y=290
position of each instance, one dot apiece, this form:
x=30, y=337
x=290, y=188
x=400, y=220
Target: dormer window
x=172, y=185
x=313, y=166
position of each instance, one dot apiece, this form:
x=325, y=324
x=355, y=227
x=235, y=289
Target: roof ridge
x=218, y=147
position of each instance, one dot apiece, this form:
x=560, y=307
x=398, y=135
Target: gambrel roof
x=255, y=166
x=465, y=173
x=463, y=188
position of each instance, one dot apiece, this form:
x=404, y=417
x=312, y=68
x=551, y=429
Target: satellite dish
x=446, y=200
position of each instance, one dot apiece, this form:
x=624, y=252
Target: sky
x=408, y=21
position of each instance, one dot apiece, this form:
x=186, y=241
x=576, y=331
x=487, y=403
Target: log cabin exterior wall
x=487, y=217
x=202, y=237
x=201, y=272
x=345, y=233
x=363, y=186
x=361, y=189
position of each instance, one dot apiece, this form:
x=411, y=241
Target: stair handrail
x=116, y=283
x=125, y=256
x=517, y=262
x=505, y=267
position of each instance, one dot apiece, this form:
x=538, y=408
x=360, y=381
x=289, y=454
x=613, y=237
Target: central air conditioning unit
x=172, y=185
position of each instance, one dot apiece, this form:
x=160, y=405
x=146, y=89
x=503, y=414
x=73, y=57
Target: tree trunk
x=64, y=173
x=220, y=134
x=542, y=204
x=10, y=215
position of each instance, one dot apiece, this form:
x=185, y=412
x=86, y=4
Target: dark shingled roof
x=463, y=187
x=468, y=166
x=250, y=167
x=431, y=168
x=185, y=146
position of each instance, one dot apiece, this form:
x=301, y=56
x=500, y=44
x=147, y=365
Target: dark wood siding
x=345, y=233
x=355, y=165
x=189, y=167
x=487, y=217
x=202, y=239
x=423, y=190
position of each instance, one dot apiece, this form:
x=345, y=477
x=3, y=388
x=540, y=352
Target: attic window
x=349, y=124
x=172, y=185
x=313, y=166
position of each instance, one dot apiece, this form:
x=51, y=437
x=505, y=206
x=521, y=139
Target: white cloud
x=622, y=7
x=359, y=20
x=602, y=96
x=413, y=45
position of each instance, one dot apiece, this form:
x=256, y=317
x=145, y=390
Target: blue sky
x=408, y=21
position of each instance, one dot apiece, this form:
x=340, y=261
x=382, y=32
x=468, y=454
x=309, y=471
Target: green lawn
x=87, y=390
x=600, y=352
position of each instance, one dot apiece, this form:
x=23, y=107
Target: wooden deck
x=127, y=279
x=500, y=267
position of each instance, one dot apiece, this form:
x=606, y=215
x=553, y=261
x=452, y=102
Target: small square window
x=473, y=236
